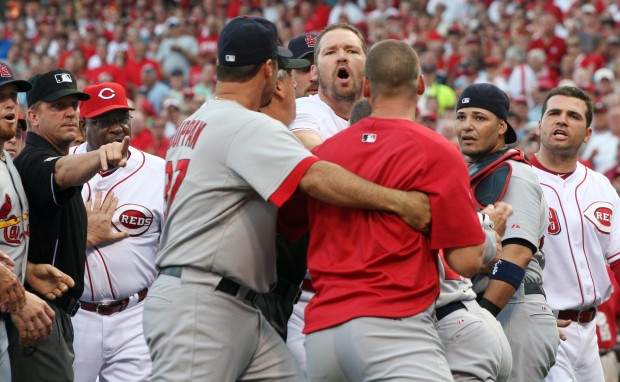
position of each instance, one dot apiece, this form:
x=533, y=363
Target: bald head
x=393, y=69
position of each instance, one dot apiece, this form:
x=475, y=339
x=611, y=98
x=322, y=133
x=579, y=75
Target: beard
x=340, y=93
x=7, y=131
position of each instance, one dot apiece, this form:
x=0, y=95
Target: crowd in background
x=164, y=52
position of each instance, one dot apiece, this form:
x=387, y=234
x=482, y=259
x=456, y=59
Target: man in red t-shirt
x=376, y=278
x=607, y=330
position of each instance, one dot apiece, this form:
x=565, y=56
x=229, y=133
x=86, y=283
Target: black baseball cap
x=292, y=63
x=247, y=40
x=302, y=45
x=53, y=85
x=7, y=76
x=491, y=98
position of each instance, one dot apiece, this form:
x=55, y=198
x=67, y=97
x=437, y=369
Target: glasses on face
x=106, y=122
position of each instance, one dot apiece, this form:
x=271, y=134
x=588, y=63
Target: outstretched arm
x=333, y=184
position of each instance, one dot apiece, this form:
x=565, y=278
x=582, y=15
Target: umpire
x=58, y=222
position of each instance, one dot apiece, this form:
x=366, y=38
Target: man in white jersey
x=339, y=57
x=228, y=169
x=109, y=341
x=583, y=234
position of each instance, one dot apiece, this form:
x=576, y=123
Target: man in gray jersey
x=513, y=289
x=228, y=169
x=29, y=314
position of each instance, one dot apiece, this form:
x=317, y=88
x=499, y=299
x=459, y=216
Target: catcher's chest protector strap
x=489, y=178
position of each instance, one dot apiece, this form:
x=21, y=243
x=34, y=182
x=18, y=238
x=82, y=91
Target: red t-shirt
x=555, y=50
x=370, y=263
x=606, y=328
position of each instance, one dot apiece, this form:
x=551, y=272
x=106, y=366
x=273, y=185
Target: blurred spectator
x=492, y=73
x=172, y=115
x=154, y=89
x=602, y=148
x=141, y=136
x=429, y=119
x=603, y=80
x=350, y=11
x=546, y=39
x=446, y=98
x=522, y=77
x=118, y=43
x=176, y=82
x=178, y=49
x=206, y=86
x=161, y=141
x=135, y=64
x=539, y=92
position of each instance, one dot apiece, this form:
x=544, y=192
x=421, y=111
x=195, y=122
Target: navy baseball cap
x=302, y=45
x=7, y=76
x=53, y=85
x=491, y=98
x=247, y=40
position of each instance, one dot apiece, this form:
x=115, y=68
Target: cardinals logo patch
x=599, y=214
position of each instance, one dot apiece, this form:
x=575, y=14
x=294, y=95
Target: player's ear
x=421, y=85
x=588, y=135
x=366, y=88
x=33, y=118
x=269, y=68
x=278, y=92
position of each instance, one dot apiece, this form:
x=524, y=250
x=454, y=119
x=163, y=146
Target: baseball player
x=321, y=116
x=458, y=312
x=277, y=306
x=302, y=47
x=227, y=170
x=52, y=181
x=512, y=291
x=583, y=234
x=109, y=341
x=376, y=278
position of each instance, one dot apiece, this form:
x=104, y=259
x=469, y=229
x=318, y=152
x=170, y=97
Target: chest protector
x=489, y=177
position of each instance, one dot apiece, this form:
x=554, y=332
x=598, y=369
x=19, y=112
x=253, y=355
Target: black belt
x=445, y=310
x=578, y=316
x=225, y=285
x=533, y=288
x=67, y=304
x=111, y=307
x=288, y=290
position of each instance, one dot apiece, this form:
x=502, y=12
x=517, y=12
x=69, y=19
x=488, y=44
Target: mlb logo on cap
x=230, y=58
x=465, y=100
x=369, y=138
x=63, y=77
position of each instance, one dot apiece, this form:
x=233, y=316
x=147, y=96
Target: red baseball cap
x=104, y=97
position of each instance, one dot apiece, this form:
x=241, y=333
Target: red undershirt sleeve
x=290, y=184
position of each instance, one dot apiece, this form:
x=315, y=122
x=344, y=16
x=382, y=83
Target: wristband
x=508, y=272
x=490, y=246
x=488, y=305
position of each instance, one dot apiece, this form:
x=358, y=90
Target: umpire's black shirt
x=58, y=219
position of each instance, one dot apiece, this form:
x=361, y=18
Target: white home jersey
x=583, y=236
x=118, y=270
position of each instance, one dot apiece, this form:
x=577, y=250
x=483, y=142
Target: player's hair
x=282, y=74
x=393, y=68
x=361, y=110
x=574, y=92
x=317, y=47
x=239, y=73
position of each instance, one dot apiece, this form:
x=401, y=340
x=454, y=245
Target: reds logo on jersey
x=599, y=214
x=554, y=222
x=132, y=218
